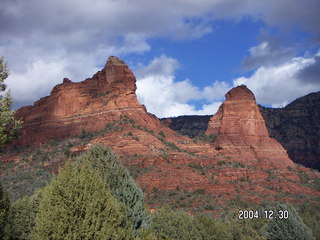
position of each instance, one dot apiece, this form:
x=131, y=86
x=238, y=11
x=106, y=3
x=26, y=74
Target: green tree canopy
x=169, y=224
x=77, y=204
x=22, y=214
x=310, y=215
x=4, y=210
x=214, y=229
x=9, y=127
x=287, y=229
x=122, y=185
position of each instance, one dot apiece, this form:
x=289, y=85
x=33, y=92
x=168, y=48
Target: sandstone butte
x=242, y=132
x=244, y=163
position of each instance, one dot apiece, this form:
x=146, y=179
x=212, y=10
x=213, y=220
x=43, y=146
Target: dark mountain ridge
x=297, y=128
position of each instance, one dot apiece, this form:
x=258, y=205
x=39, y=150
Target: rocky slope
x=242, y=165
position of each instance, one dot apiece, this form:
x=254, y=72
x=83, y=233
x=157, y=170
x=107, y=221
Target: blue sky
x=186, y=54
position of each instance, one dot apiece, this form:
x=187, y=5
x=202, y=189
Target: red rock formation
x=88, y=105
x=242, y=132
x=166, y=159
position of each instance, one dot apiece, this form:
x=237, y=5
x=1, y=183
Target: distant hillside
x=191, y=126
x=296, y=127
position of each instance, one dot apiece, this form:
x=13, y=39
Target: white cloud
x=260, y=50
x=280, y=84
x=41, y=39
x=216, y=91
x=267, y=54
x=165, y=97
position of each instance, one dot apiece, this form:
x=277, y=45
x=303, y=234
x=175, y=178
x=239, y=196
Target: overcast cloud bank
x=44, y=41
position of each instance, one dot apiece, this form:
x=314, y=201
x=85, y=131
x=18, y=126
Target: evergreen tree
x=77, y=204
x=122, y=185
x=4, y=210
x=214, y=229
x=229, y=229
x=22, y=216
x=310, y=214
x=287, y=229
x=9, y=127
x=168, y=224
x=242, y=230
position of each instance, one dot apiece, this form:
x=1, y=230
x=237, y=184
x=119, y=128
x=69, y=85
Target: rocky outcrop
x=85, y=106
x=297, y=128
x=242, y=132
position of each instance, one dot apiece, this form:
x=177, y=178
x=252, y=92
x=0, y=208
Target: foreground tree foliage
x=310, y=214
x=22, y=214
x=4, y=211
x=230, y=228
x=214, y=229
x=287, y=229
x=9, y=127
x=79, y=205
x=169, y=224
x=122, y=185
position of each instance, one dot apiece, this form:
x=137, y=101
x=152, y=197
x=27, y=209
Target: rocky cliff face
x=84, y=106
x=242, y=131
x=297, y=128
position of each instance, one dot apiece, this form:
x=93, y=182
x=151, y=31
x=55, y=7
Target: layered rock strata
x=85, y=106
x=242, y=132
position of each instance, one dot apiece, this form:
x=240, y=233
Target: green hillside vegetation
x=94, y=197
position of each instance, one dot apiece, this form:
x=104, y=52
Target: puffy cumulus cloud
x=280, y=84
x=311, y=73
x=31, y=79
x=165, y=97
x=42, y=75
x=267, y=54
x=216, y=91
